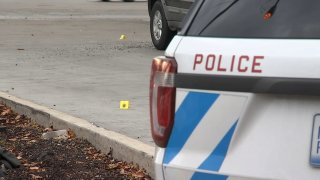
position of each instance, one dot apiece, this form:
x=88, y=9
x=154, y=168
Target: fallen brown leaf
x=122, y=171
x=71, y=134
x=6, y=112
x=35, y=176
x=127, y=167
x=13, y=139
x=138, y=175
x=34, y=168
x=113, y=166
x=33, y=164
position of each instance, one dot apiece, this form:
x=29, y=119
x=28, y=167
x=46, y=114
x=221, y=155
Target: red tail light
x=162, y=99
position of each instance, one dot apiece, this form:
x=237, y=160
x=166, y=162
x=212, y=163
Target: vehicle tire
x=128, y=0
x=161, y=34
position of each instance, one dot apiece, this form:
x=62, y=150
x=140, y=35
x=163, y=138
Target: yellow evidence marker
x=124, y=104
x=123, y=37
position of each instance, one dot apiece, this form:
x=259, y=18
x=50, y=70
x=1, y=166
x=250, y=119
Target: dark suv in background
x=165, y=19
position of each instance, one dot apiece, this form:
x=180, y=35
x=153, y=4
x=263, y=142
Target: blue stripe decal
x=206, y=176
x=216, y=158
x=187, y=117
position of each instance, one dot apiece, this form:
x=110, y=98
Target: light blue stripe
x=216, y=158
x=206, y=176
x=187, y=117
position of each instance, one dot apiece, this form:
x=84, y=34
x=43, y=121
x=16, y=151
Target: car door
x=177, y=9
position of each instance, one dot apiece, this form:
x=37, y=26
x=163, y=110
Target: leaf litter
x=70, y=158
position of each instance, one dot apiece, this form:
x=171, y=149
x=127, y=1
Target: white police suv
x=237, y=94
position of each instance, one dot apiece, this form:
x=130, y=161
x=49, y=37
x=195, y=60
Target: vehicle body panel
x=299, y=58
x=242, y=135
x=175, y=11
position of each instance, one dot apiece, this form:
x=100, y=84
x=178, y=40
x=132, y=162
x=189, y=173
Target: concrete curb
x=122, y=147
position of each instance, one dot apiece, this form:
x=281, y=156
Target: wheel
x=128, y=0
x=161, y=34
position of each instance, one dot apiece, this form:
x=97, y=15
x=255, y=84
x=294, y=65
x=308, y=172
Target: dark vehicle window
x=258, y=19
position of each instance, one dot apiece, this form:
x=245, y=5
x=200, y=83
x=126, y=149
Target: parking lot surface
x=67, y=55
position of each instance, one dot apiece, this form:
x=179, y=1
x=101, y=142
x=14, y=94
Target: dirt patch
x=70, y=158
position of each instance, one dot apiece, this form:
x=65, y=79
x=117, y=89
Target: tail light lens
x=162, y=98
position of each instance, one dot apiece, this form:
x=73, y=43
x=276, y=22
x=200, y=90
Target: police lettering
x=241, y=64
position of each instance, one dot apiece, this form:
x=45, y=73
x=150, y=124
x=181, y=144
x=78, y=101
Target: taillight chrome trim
x=164, y=79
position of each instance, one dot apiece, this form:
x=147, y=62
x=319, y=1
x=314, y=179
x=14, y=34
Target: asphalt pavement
x=67, y=55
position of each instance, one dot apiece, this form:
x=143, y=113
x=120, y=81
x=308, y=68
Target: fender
x=151, y=3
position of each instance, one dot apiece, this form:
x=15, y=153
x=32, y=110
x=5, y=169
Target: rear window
x=257, y=19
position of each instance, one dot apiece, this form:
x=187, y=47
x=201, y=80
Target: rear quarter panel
x=243, y=135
